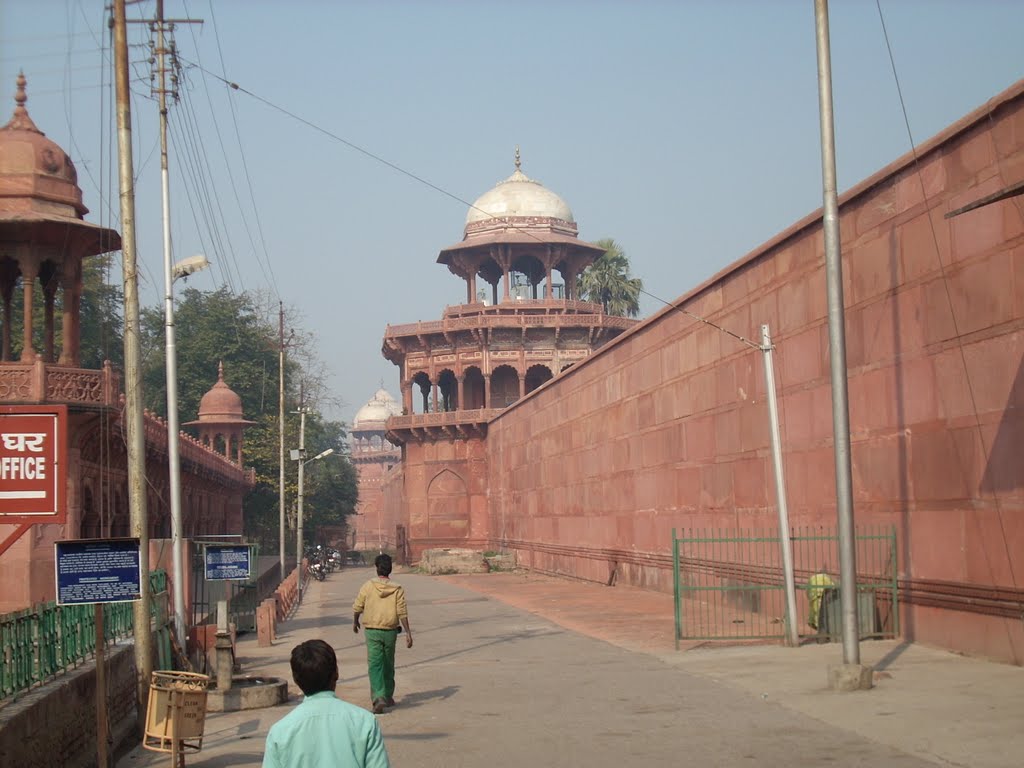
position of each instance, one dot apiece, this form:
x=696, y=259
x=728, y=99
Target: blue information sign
x=97, y=571
x=228, y=561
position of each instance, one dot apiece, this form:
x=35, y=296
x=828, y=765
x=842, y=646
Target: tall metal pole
x=133, y=415
x=171, y=354
x=837, y=344
x=280, y=434
x=302, y=464
x=792, y=635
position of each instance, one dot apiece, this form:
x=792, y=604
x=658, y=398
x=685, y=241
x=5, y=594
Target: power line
x=949, y=300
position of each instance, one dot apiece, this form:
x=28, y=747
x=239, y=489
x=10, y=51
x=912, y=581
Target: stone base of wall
x=441, y=561
x=56, y=724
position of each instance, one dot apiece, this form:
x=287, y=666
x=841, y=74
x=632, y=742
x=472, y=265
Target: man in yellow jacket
x=381, y=604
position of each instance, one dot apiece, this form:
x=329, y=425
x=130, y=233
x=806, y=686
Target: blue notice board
x=97, y=571
x=228, y=561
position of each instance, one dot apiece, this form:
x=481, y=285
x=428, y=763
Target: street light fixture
x=299, y=456
x=172, y=272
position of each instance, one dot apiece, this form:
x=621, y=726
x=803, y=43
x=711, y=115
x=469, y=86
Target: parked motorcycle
x=316, y=570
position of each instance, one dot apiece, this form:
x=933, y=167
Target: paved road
x=488, y=684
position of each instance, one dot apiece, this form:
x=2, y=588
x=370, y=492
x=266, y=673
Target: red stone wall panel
x=667, y=425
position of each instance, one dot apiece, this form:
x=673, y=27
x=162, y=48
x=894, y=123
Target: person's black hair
x=383, y=563
x=314, y=666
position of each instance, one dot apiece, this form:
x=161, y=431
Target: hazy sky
x=688, y=131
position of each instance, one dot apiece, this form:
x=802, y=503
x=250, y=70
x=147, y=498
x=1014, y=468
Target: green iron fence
x=728, y=584
x=41, y=643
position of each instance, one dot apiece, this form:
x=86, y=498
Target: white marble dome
x=379, y=408
x=519, y=195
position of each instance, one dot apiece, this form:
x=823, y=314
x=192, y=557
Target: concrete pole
x=792, y=635
x=133, y=415
x=280, y=435
x=302, y=464
x=837, y=344
x=171, y=355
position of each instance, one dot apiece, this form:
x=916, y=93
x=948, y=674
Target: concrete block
x=850, y=677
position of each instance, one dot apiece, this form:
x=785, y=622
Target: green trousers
x=380, y=656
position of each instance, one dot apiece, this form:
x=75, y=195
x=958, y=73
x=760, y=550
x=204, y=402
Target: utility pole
x=302, y=464
x=280, y=433
x=851, y=675
x=171, y=362
x=786, y=545
x=133, y=415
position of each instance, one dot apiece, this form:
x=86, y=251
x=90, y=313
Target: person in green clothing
x=323, y=729
x=381, y=604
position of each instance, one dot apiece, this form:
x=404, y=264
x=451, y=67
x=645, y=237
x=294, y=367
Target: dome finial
x=21, y=121
x=518, y=160
x=220, y=370
x=20, y=97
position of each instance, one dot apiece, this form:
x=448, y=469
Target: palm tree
x=607, y=282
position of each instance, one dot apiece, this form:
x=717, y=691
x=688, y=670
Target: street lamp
x=299, y=456
x=172, y=272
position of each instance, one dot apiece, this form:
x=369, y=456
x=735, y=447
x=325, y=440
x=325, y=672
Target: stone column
x=6, y=289
x=50, y=282
x=522, y=384
x=29, y=272
x=433, y=391
x=406, y=396
x=487, y=390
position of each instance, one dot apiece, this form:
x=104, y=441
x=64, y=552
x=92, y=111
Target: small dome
x=38, y=172
x=519, y=196
x=221, y=403
x=379, y=408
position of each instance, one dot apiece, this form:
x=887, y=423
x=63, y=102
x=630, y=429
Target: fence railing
x=40, y=643
x=728, y=585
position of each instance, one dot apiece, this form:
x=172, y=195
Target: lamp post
x=299, y=455
x=183, y=268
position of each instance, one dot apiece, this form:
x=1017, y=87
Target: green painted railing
x=728, y=583
x=39, y=644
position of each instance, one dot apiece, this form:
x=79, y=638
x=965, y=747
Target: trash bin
x=831, y=621
x=176, y=712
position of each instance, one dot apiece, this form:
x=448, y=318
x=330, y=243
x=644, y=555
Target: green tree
x=223, y=327
x=607, y=282
x=102, y=315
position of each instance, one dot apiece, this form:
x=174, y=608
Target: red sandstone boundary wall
x=667, y=425
x=55, y=724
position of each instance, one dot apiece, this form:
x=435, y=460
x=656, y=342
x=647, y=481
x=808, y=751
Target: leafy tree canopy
x=237, y=330
x=607, y=282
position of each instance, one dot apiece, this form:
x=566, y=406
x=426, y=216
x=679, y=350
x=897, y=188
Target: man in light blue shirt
x=323, y=730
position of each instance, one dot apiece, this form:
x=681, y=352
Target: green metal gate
x=728, y=584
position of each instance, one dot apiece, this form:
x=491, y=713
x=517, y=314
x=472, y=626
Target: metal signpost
x=228, y=561
x=98, y=571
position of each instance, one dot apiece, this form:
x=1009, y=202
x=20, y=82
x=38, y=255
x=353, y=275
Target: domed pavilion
x=43, y=239
x=525, y=327
x=220, y=423
x=523, y=324
x=373, y=455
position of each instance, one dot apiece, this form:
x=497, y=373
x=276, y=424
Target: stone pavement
x=513, y=670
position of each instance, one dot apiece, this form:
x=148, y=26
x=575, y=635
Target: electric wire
x=189, y=148
x=226, y=244
x=266, y=265
x=235, y=86
x=949, y=301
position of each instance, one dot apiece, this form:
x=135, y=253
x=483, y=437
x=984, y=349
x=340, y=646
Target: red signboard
x=33, y=463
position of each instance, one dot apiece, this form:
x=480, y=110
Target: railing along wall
x=40, y=643
x=728, y=584
x=452, y=324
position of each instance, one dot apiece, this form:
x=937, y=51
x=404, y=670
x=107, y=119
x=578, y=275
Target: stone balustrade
x=52, y=383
